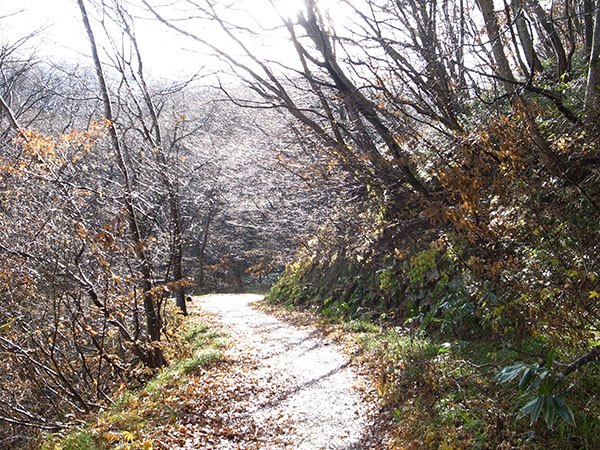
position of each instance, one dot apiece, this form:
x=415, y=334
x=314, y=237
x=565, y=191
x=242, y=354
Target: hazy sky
x=165, y=53
x=63, y=38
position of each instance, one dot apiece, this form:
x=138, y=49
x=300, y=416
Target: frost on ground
x=317, y=405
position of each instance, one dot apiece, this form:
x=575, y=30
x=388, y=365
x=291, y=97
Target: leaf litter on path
x=292, y=390
x=268, y=385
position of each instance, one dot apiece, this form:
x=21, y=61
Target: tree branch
x=584, y=359
x=11, y=117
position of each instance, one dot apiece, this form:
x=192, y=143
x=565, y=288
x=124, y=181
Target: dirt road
x=317, y=405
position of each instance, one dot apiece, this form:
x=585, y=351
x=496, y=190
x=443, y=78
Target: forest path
x=316, y=404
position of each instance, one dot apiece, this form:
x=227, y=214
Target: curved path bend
x=320, y=402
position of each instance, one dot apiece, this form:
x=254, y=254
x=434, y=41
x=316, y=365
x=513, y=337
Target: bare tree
x=155, y=357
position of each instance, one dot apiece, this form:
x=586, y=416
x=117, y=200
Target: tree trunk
x=154, y=136
x=177, y=243
x=588, y=23
x=202, y=248
x=493, y=31
x=571, y=29
x=548, y=25
x=525, y=37
x=237, y=274
x=592, y=92
x=503, y=71
x=155, y=357
x=354, y=99
x=11, y=116
x=178, y=277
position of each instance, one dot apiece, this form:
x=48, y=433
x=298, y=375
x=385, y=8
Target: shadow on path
x=325, y=409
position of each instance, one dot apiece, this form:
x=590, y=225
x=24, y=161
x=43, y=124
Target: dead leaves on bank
x=213, y=406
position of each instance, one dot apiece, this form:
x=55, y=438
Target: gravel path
x=318, y=396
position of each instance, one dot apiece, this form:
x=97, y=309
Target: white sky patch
x=166, y=54
x=54, y=19
x=292, y=8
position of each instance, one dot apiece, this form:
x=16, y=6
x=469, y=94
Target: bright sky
x=165, y=53
x=63, y=37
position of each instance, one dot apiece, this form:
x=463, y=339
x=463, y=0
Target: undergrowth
x=440, y=338
x=443, y=395
x=129, y=422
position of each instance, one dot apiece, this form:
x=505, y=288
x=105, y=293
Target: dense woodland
x=427, y=166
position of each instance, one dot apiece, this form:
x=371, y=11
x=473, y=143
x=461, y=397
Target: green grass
x=207, y=344
x=443, y=394
x=205, y=358
x=360, y=326
x=78, y=439
x=201, y=336
x=166, y=376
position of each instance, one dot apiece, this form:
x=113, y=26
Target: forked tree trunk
x=493, y=31
x=154, y=136
x=525, y=37
x=557, y=45
x=541, y=145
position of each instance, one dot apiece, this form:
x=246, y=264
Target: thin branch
x=590, y=356
x=11, y=118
